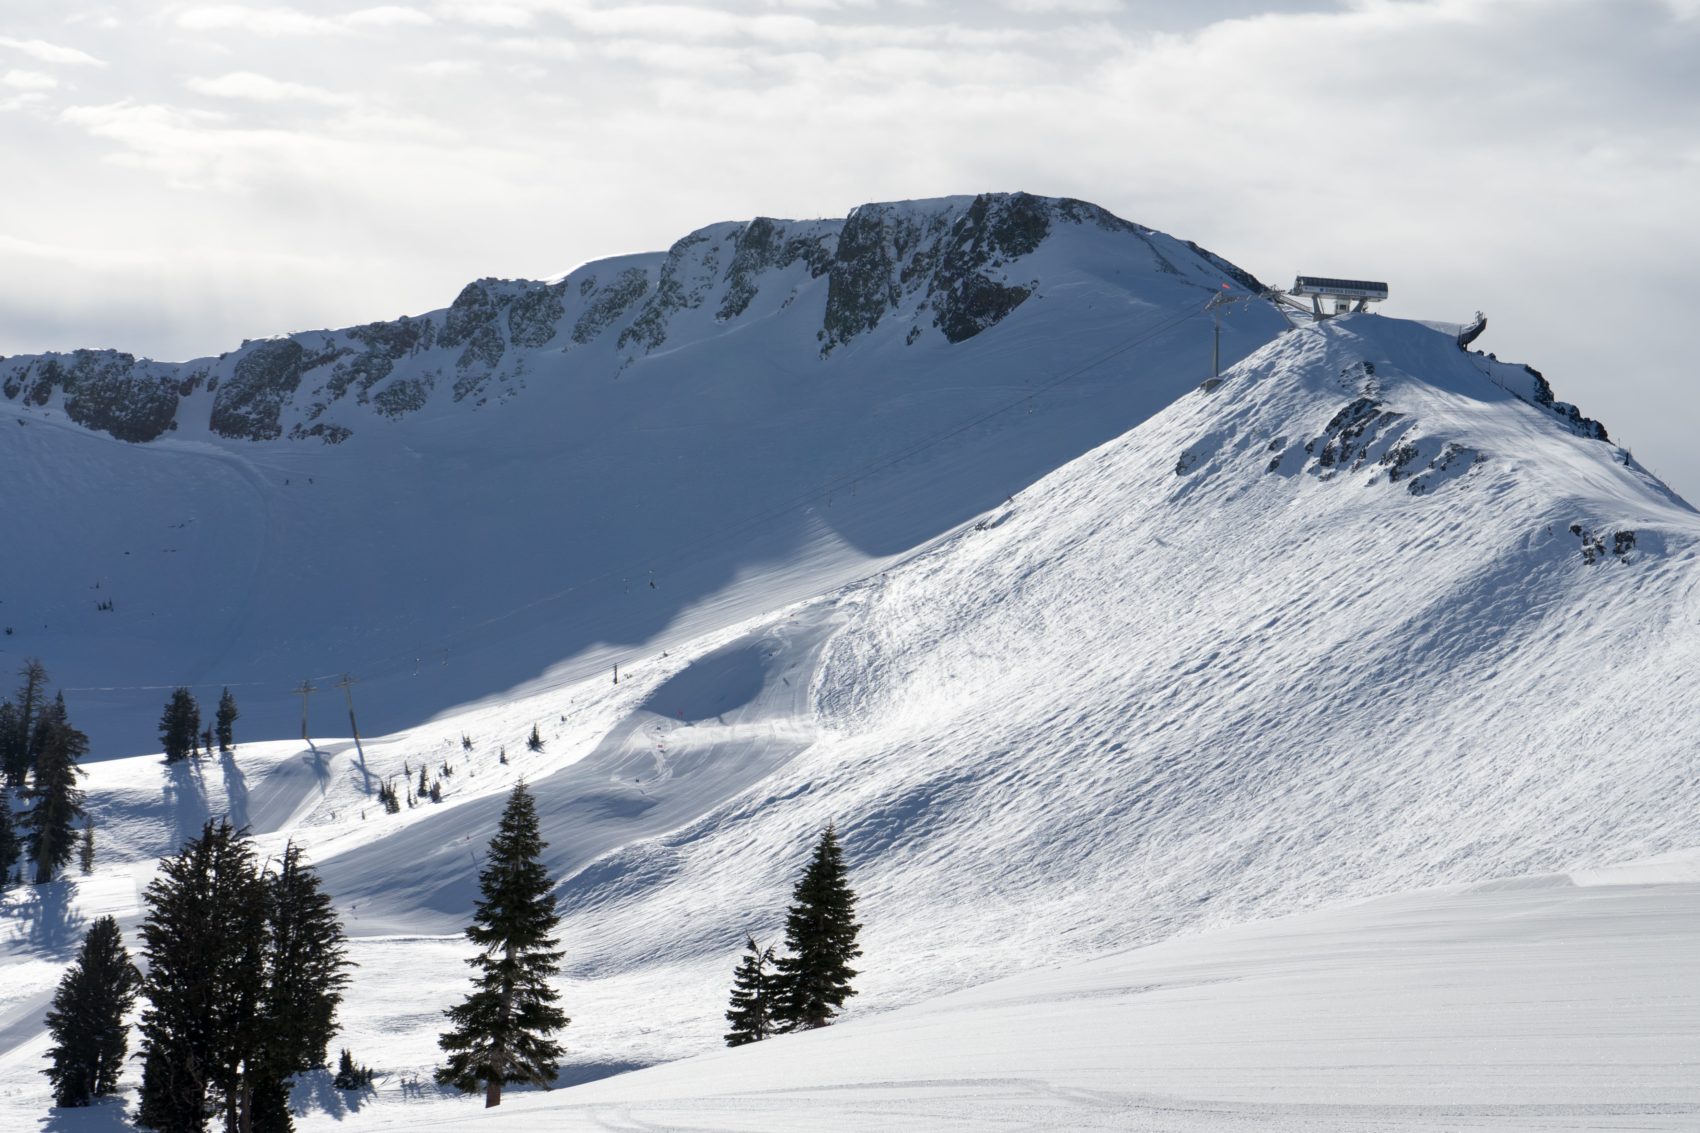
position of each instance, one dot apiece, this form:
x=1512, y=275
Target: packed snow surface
x=1370, y=614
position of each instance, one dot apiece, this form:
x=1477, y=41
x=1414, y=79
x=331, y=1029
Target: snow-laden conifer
x=86, y=1020
x=224, y=723
x=751, y=1012
x=820, y=937
x=179, y=725
x=57, y=802
x=501, y=1032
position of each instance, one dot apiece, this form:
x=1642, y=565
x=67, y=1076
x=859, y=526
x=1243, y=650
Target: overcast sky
x=180, y=176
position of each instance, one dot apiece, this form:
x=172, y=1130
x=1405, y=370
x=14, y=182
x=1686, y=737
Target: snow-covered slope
x=1368, y=614
x=763, y=413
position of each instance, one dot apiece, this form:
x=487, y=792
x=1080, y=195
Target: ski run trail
x=1310, y=749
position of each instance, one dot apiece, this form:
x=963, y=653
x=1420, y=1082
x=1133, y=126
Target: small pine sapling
x=534, y=741
x=85, y=856
x=465, y=742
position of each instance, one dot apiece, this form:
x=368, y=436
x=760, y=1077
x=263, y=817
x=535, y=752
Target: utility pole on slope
x=304, y=690
x=347, y=686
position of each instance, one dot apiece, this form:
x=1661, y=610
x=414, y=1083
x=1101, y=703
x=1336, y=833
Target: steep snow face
x=547, y=478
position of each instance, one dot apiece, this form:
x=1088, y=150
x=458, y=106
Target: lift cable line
x=726, y=535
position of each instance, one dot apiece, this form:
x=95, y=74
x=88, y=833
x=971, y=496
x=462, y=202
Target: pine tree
x=501, y=1032
x=751, y=1013
x=11, y=754
x=179, y=725
x=204, y=938
x=18, y=751
x=349, y=1075
x=85, y=855
x=58, y=802
x=820, y=935
x=308, y=962
x=86, y=1021
x=305, y=962
x=535, y=740
x=10, y=848
x=225, y=721
x=424, y=787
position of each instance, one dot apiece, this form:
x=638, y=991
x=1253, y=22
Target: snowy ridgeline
x=1362, y=617
x=558, y=476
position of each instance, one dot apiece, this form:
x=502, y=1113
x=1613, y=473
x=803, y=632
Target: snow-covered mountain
x=1079, y=650
x=755, y=416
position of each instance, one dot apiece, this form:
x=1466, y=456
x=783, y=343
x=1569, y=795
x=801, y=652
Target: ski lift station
x=1347, y=294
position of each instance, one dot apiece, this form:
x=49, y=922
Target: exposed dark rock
x=610, y=303
x=403, y=396
x=104, y=392
x=534, y=313
x=472, y=310
x=677, y=290
x=249, y=404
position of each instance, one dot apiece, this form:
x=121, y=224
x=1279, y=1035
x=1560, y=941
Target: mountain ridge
x=941, y=265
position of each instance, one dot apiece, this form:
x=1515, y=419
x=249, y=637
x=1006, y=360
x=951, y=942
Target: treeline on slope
x=503, y=1031
x=39, y=754
x=180, y=733
x=246, y=965
x=807, y=987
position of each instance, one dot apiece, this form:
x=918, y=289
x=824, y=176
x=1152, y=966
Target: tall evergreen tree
x=820, y=935
x=308, y=964
x=204, y=938
x=14, y=762
x=751, y=1013
x=179, y=725
x=501, y=1032
x=58, y=802
x=10, y=848
x=31, y=695
x=224, y=722
x=86, y=1021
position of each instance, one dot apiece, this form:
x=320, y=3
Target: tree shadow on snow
x=186, y=798
x=44, y=916
x=315, y=1090
x=581, y=1072
x=235, y=790
x=106, y=1115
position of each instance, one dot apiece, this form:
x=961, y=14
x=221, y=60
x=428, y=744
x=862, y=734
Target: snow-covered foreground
x=1543, y=1003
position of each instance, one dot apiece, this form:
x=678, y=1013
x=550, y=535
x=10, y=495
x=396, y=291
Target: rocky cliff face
x=954, y=267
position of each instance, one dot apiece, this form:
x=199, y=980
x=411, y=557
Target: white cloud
x=270, y=20
x=447, y=68
x=261, y=88
x=486, y=14
x=29, y=80
x=388, y=15
x=1063, y=7
x=51, y=52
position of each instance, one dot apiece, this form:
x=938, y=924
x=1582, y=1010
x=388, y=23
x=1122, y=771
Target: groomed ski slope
x=1198, y=677
x=1547, y=1003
